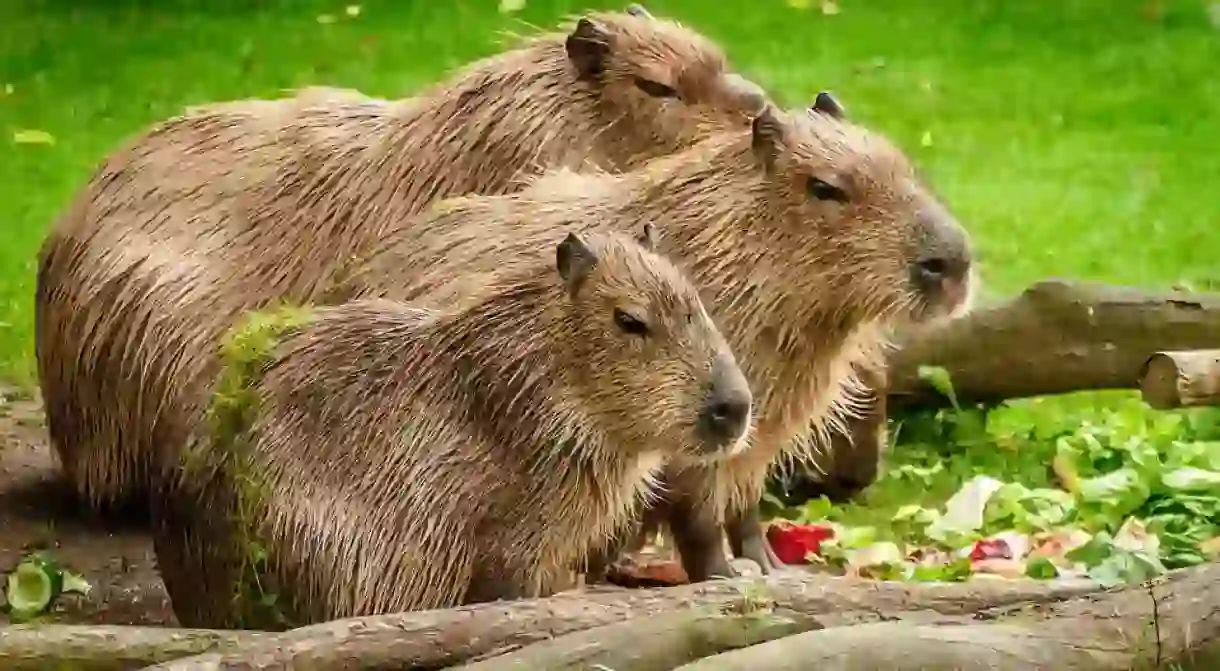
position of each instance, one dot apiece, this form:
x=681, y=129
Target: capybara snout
x=942, y=268
x=725, y=417
x=744, y=94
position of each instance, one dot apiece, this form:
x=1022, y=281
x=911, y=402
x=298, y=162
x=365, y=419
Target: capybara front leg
x=748, y=541
x=699, y=540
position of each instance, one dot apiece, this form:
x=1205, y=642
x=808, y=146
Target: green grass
x=1074, y=138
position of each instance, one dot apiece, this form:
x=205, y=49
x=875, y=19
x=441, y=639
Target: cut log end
x=1182, y=379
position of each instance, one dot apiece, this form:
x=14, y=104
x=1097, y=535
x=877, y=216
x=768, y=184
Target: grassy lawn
x=1074, y=138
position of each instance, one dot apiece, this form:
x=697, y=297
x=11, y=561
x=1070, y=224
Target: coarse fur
x=807, y=236
x=237, y=205
x=409, y=459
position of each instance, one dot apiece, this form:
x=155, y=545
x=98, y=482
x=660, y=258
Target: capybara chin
x=808, y=236
x=234, y=206
x=406, y=459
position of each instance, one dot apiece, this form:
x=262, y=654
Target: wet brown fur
x=236, y=205
x=416, y=459
x=802, y=289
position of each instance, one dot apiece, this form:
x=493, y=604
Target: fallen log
x=33, y=647
x=1182, y=379
x=653, y=643
x=440, y=638
x=899, y=646
x=1056, y=337
x=1173, y=620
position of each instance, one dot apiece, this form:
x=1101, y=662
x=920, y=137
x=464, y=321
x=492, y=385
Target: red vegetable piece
x=994, y=548
x=793, y=543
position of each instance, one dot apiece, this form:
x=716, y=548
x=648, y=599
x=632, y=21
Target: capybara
x=398, y=458
x=235, y=205
x=809, y=237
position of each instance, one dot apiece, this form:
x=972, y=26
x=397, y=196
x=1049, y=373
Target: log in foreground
x=1056, y=337
x=1175, y=619
x=652, y=643
x=899, y=646
x=32, y=647
x=440, y=638
x=1182, y=379
x=1171, y=622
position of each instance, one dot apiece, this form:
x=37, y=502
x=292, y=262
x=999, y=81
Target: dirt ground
x=37, y=511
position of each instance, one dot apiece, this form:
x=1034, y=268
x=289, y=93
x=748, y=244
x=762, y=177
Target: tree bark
x=1174, y=620
x=109, y=648
x=1020, y=624
x=1056, y=337
x=1182, y=379
x=900, y=646
x=436, y=639
x=653, y=643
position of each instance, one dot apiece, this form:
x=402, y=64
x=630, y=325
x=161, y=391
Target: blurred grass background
x=1074, y=138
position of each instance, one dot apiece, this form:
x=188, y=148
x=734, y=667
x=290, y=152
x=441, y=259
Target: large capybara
x=232, y=206
x=809, y=237
x=399, y=459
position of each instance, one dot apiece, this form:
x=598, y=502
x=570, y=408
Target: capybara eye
x=822, y=190
x=655, y=89
x=628, y=324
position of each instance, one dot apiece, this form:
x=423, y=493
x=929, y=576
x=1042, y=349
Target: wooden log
x=435, y=639
x=1056, y=337
x=900, y=646
x=34, y=647
x=1182, y=379
x=653, y=643
x=1172, y=622
x=1019, y=624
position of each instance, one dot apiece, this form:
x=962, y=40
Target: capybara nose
x=723, y=421
x=726, y=413
x=751, y=96
x=930, y=273
x=940, y=269
x=937, y=275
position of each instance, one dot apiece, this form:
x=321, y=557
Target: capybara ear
x=588, y=47
x=648, y=238
x=636, y=9
x=574, y=260
x=828, y=105
x=768, y=141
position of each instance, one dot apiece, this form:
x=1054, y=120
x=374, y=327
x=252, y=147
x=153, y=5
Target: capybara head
x=649, y=365
x=849, y=196
x=652, y=73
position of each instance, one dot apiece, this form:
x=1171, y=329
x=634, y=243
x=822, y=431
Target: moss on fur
x=246, y=351
x=224, y=448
